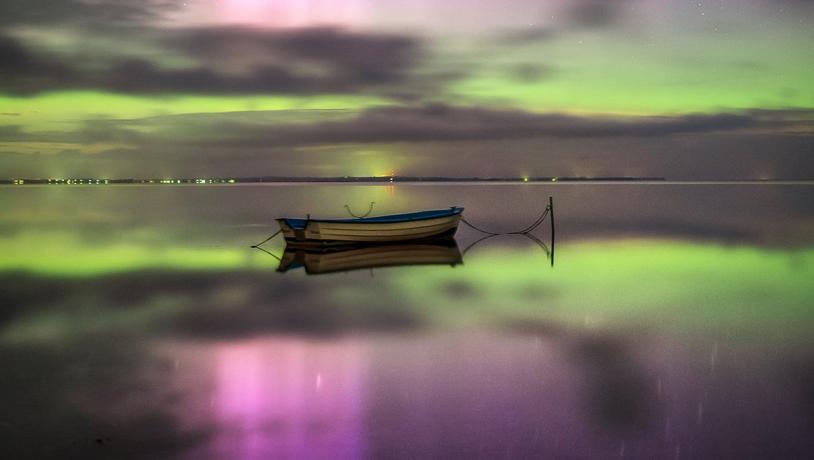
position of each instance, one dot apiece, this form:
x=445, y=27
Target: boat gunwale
x=300, y=223
x=382, y=228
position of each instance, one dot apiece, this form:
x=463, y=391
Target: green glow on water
x=607, y=283
x=691, y=288
x=56, y=253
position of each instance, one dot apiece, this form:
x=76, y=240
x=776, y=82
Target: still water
x=676, y=322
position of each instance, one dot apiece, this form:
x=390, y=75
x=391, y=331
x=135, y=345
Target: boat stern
x=290, y=232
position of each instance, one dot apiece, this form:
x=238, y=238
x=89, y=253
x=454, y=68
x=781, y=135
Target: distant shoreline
x=321, y=180
x=387, y=180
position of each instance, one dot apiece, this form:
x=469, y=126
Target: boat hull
x=361, y=231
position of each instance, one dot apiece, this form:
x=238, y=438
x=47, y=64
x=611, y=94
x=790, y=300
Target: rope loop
x=524, y=231
x=369, y=210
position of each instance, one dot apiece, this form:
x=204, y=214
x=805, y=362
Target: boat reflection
x=318, y=260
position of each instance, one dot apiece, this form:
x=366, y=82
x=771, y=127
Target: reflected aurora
x=595, y=283
x=608, y=283
x=63, y=254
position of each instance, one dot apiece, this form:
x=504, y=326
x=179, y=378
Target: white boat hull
x=372, y=232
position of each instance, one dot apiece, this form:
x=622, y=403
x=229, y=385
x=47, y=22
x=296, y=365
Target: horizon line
x=379, y=180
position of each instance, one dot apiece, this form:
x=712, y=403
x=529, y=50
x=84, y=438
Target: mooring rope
x=473, y=227
x=267, y=239
x=524, y=231
x=369, y=210
x=536, y=223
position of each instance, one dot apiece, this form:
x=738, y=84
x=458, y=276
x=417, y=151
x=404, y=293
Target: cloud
x=576, y=15
x=439, y=122
x=529, y=72
x=422, y=140
x=82, y=12
x=24, y=71
x=596, y=14
x=527, y=35
x=404, y=124
x=367, y=56
x=227, y=60
x=89, y=132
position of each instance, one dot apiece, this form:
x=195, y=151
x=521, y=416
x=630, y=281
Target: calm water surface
x=676, y=322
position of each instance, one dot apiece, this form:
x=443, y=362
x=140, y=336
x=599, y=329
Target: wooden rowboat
x=356, y=257
x=397, y=227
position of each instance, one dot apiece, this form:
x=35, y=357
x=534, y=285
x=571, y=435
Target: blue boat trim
x=299, y=224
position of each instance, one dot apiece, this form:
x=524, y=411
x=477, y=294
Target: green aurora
x=88, y=100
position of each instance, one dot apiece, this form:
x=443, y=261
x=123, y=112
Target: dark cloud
x=527, y=35
x=26, y=72
x=577, y=15
x=406, y=124
x=596, y=14
x=82, y=12
x=144, y=77
x=528, y=72
x=438, y=122
x=226, y=61
x=432, y=139
x=89, y=132
x=370, y=57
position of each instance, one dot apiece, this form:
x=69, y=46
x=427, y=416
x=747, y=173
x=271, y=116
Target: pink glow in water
x=281, y=398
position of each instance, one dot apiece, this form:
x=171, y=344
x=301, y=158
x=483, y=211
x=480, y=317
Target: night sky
x=715, y=89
